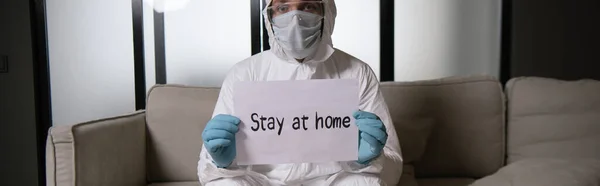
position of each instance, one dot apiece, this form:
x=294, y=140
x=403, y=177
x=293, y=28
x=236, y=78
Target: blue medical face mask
x=298, y=33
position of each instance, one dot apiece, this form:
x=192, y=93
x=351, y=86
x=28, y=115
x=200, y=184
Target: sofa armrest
x=109, y=151
x=546, y=172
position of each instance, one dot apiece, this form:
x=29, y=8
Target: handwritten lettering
x=266, y=123
x=330, y=122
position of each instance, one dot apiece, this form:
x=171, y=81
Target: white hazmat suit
x=326, y=63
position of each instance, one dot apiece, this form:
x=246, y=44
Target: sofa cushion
x=546, y=172
x=445, y=182
x=176, y=116
x=412, y=127
x=176, y=184
x=465, y=117
x=108, y=151
x=553, y=118
x=408, y=176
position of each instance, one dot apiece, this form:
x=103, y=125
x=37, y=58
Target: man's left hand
x=372, y=136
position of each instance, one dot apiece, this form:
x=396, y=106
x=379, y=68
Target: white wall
x=149, y=43
x=91, y=59
x=357, y=31
x=204, y=39
x=440, y=38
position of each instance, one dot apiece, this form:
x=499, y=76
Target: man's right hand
x=219, y=139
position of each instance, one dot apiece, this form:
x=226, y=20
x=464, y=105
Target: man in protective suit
x=301, y=49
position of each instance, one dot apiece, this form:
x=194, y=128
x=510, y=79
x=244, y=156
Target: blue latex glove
x=219, y=139
x=372, y=136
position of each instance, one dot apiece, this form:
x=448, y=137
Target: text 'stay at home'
x=269, y=123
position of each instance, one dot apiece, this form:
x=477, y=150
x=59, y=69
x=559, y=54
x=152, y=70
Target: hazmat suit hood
x=325, y=46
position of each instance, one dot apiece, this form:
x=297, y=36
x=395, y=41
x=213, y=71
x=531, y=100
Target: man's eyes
x=310, y=7
x=282, y=8
x=304, y=7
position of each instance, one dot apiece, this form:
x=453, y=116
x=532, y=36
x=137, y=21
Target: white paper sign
x=304, y=121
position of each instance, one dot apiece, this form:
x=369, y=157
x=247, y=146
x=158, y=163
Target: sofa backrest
x=452, y=127
x=175, y=117
x=549, y=118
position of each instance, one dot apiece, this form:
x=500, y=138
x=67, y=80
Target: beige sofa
x=453, y=132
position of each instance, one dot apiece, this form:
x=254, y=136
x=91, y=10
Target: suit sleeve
x=208, y=173
x=389, y=164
